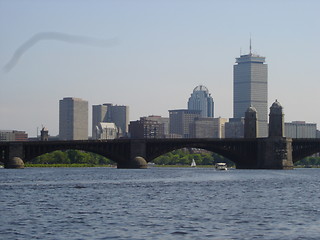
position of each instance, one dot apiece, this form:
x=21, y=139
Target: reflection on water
x=159, y=203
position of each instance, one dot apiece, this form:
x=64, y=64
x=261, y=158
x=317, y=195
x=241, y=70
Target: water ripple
x=102, y=203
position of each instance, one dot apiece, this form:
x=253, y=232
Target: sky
x=150, y=55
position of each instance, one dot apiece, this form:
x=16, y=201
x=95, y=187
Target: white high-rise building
x=201, y=100
x=250, y=88
x=73, y=119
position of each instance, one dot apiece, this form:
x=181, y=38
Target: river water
x=159, y=203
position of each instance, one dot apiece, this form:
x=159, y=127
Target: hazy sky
x=151, y=54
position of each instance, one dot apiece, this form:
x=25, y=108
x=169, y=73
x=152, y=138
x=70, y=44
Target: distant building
x=110, y=113
x=145, y=128
x=234, y=128
x=73, y=119
x=180, y=121
x=202, y=128
x=300, y=129
x=219, y=127
x=99, y=114
x=208, y=128
x=107, y=130
x=13, y=135
x=201, y=100
x=250, y=88
x=163, y=124
x=120, y=116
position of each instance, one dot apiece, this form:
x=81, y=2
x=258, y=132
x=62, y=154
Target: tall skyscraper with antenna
x=250, y=88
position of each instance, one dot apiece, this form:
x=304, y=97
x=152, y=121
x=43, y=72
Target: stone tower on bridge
x=275, y=152
x=276, y=120
x=251, y=123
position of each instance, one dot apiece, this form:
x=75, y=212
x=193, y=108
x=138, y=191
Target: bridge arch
x=242, y=153
x=113, y=151
x=184, y=156
x=71, y=156
x=302, y=148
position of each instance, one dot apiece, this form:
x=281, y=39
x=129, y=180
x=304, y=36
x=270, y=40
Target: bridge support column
x=15, y=156
x=137, y=156
x=275, y=153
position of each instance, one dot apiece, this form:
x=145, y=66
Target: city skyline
x=159, y=52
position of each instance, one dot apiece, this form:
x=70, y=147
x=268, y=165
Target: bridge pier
x=135, y=163
x=275, y=153
x=15, y=156
x=137, y=156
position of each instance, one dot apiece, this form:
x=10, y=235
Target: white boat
x=221, y=166
x=193, y=163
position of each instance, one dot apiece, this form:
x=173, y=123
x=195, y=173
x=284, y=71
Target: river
x=159, y=203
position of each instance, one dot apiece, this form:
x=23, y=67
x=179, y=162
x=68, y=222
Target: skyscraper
x=201, y=100
x=250, y=88
x=73, y=119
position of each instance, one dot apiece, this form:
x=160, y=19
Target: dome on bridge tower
x=276, y=108
x=251, y=109
x=276, y=104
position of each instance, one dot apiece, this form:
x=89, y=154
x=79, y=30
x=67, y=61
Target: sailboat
x=193, y=163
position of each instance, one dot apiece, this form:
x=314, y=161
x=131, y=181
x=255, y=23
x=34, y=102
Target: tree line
x=71, y=157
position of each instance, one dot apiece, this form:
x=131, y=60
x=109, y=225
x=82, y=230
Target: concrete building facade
x=201, y=99
x=300, y=129
x=180, y=121
x=120, y=116
x=163, y=122
x=250, y=88
x=145, y=128
x=73, y=119
x=202, y=128
x=219, y=127
x=234, y=128
x=13, y=135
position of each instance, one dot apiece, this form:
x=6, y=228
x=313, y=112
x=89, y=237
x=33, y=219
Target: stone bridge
x=255, y=153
